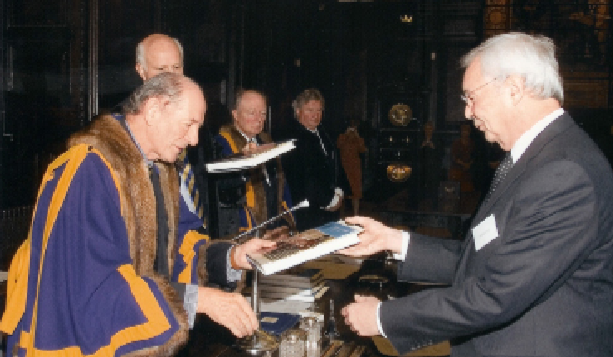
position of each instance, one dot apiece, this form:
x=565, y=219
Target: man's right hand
x=228, y=309
x=375, y=238
x=250, y=148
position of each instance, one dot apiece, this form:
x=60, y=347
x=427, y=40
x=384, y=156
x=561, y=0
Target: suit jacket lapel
x=549, y=133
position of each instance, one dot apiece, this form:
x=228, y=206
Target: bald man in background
x=155, y=54
x=158, y=53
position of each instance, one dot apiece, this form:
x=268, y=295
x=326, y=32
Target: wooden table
x=209, y=339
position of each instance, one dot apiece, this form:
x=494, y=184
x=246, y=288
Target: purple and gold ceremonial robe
x=264, y=198
x=83, y=283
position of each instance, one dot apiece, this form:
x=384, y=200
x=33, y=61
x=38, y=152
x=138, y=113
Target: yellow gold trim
x=187, y=250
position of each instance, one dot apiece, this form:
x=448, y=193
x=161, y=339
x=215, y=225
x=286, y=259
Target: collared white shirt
x=524, y=141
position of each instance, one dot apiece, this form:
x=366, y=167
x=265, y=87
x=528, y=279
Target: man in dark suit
x=310, y=167
x=534, y=275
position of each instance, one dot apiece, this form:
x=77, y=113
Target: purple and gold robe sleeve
x=192, y=236
x=83, y=294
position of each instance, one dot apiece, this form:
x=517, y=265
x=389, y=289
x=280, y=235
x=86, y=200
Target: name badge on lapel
x=485, y=232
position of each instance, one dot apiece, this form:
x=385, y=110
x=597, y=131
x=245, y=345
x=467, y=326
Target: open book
x=305, y=246
x=242, y=161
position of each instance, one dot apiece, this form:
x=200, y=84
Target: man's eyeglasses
x=469, y=96
x=253, y=113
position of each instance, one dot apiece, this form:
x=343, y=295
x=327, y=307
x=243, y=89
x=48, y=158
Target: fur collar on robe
x=139, y=210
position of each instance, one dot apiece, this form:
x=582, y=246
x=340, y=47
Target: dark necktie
x=187, y=176
x=161, y=259
x=501, y=172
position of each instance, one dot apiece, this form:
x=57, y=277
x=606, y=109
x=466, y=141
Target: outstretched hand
x=228, y=309
x=376, y=238
x=251, y=246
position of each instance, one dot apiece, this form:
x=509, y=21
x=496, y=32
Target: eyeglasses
x=469, y=96
x=254, y=113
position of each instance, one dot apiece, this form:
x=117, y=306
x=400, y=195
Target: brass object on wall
x=398, y=172
x=400, y=114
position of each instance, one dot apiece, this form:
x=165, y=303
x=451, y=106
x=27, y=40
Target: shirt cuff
x=232, y=274
x=406, y=238
x=379, y=321
x=190, y=303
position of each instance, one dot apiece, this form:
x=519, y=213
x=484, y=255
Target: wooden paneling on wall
x=582, y=33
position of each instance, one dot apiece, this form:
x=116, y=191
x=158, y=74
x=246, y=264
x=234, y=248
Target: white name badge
x=485, y=232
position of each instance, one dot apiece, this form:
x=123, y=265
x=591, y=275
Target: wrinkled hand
x=361, y=316
x=375, y=238
x=228, y=309
x=251, y=246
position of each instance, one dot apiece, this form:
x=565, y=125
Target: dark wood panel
x=37, y=13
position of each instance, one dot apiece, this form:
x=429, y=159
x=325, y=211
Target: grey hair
x=241, y=92
x=532, y=57
x=140, y=52
x=165, y=84
x=306, y=96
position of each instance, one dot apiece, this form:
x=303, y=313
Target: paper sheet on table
x=335, y=267
x=4, y=275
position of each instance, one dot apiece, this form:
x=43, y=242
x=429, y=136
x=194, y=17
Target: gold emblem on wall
x=398, y=172
x=400, y=115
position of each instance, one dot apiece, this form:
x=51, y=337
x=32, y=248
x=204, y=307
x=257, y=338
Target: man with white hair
x=251, y=196
x=158, y=53
x=110, y=264
x=534, y=275
x=155, y=54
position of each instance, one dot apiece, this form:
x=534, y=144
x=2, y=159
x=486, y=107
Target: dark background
x=64, y=61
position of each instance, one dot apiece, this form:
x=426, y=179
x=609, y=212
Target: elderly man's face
x=250, y=115
x=161, y=55
x=309, y=115
x=485, y=107
x=176, y=124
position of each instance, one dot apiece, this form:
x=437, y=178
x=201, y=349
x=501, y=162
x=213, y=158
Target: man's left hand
x=251, y=246
x=361, y=315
